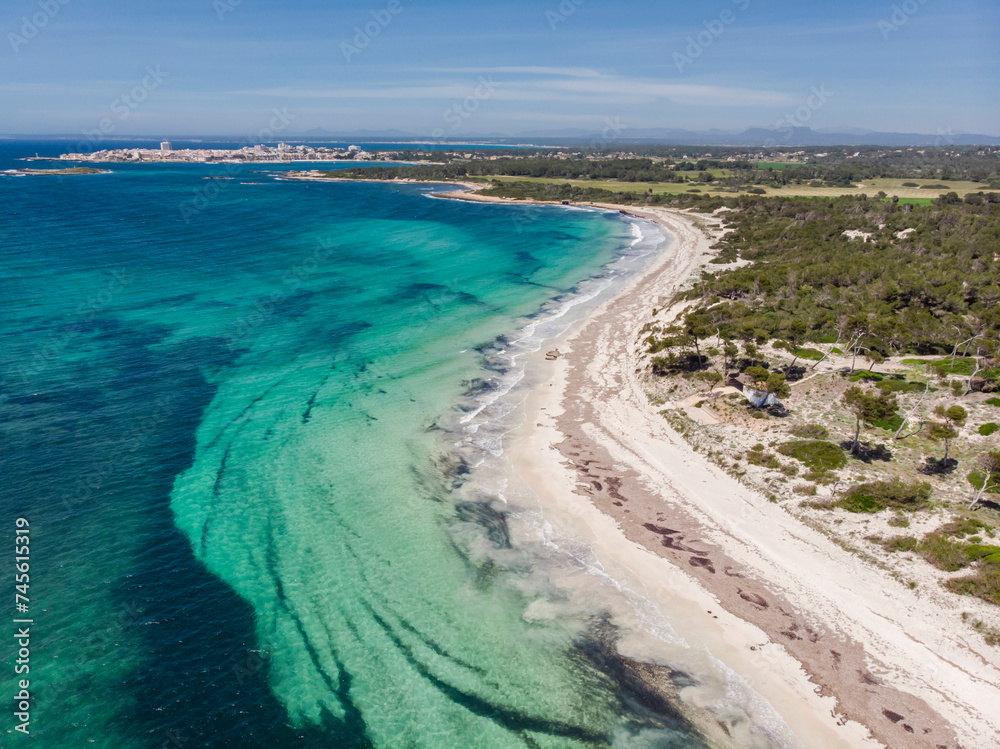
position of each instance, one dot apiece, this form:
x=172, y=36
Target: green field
x=658, y=188
x=912, y=195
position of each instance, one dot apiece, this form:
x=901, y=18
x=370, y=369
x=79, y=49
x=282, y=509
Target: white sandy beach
x=847, y=655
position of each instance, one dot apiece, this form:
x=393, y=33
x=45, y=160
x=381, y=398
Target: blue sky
x=438, y=67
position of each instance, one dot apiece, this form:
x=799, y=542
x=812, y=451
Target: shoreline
x=838, y=648
x=844, y=653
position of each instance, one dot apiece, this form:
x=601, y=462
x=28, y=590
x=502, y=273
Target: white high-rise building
x=165, y=147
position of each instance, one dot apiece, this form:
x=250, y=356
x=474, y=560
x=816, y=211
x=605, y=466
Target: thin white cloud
x=577, y=88
x=682, y=93
x=524, y=70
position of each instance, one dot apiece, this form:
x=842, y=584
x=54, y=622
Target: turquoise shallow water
x=228, y=408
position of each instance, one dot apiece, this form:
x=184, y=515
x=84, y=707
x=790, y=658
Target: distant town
x=255, y=154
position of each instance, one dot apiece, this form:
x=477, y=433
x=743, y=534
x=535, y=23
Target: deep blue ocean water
x=225, y=409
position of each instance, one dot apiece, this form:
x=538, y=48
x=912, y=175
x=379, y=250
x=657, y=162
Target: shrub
x=994, y=402
x=810, y=431
x=810, y=353
x=879, y=495
x=819, y=476
x=858, y=504
x=985, y=582
x=901, y=385
x=900, y=521
x=910, y=184
x=943, y=552
x=988, y=429
x=962, y=527
x=815, y=454
x=864, y=374
x=900, y=543
x=977, y=477
x=763, y=459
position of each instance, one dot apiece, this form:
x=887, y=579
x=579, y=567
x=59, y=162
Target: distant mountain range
x=799, y=136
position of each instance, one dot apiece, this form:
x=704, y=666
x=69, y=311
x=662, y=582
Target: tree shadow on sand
x=794, y=374
x=937, y=467
x=866, y=452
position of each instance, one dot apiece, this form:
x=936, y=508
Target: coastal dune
x=848, y=656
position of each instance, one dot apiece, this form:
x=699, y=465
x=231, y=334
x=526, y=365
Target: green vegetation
x=657, y=173
x=810, y=353
x=757, y=456
x=880, y=495
x=941, y=549
x=815, y=454
x=810, y=431
x=899, y=384
x=900, y=543
x=870, y=408
x=946, y=430
x=989, y=429
x=943, y=552
x=993, y=402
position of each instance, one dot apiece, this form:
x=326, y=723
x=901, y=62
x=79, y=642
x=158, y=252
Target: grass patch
x=900, y=543
x=943, y=552
x=889, y=425
x=859, y=504
x=880, y=495
x=810, y=431
x=810, y=354
x=984, y=583
x=864, y=374
x=987, y=429
x=963, y=366
x=916, y=201
x=899, y=384
x=965, y=526
x=977, y=477
x=816, y=454
x=758, y=457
